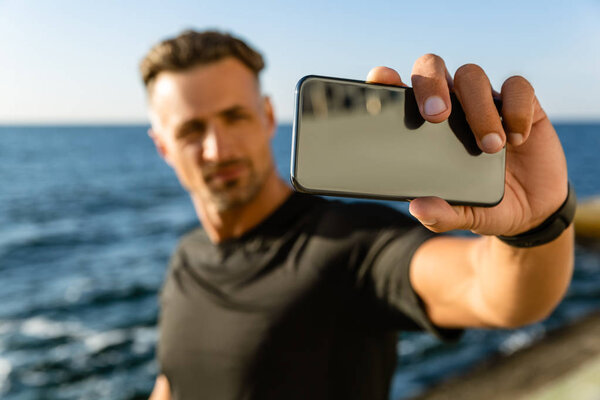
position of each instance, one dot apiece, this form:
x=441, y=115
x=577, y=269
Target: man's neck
x=223, y=225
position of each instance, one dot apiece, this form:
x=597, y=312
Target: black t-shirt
x=306, y=305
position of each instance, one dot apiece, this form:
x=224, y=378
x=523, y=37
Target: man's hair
x=192, y=48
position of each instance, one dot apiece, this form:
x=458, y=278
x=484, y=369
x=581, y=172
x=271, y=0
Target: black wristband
x=548, y=230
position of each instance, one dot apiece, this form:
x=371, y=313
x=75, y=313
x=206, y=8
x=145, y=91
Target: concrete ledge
x=563, y=365
x=581, y=384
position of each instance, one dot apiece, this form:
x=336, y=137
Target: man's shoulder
x=194, y=237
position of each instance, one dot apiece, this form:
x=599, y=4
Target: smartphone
x=357, y=139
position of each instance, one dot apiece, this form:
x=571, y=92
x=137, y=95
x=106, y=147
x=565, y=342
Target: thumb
x=437, y=215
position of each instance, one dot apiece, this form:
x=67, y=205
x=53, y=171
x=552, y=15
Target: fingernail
x=491, y=143
x=434, y=105
x=515, y=138
x=428, y=222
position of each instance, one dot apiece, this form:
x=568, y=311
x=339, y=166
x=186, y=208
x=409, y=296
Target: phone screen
x=368, y=140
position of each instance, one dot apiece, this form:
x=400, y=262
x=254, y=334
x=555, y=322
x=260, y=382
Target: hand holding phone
x=535, y=182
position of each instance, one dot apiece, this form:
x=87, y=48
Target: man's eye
x=236, y=116
x=191, y=131
x=191, y=135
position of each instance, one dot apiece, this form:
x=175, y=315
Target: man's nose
x=217, y=146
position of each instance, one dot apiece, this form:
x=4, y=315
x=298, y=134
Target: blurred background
x=89, y=214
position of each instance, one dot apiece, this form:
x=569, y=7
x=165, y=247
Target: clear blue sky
x=76, y=61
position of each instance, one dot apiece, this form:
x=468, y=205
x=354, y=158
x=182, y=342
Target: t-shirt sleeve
x=389, y=275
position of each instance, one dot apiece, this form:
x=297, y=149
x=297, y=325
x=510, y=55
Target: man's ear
x=270, y=116
x=161, y=146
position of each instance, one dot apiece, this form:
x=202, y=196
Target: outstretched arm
x=483, y=281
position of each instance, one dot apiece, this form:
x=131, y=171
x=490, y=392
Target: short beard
x=232, y=197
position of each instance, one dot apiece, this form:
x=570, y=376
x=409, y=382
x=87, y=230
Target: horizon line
x=557, y=120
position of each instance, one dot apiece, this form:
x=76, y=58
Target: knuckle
x=432, y=59
x=517, y=81
x=468, y=72
x=429, y=64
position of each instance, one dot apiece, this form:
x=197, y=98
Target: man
x=283, y=295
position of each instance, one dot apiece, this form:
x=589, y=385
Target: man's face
x=211, y=124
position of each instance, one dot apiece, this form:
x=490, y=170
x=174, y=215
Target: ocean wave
x=44, y=328
x=103, y=341
x=5, y=370
x=82, y=353
x=86, y=301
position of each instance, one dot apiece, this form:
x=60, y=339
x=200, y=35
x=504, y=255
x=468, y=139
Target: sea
x=89, y=216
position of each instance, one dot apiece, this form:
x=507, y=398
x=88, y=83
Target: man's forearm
x=484, y=282
x=520, y=286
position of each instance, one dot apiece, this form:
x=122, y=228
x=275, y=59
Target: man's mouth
x=225, y=172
